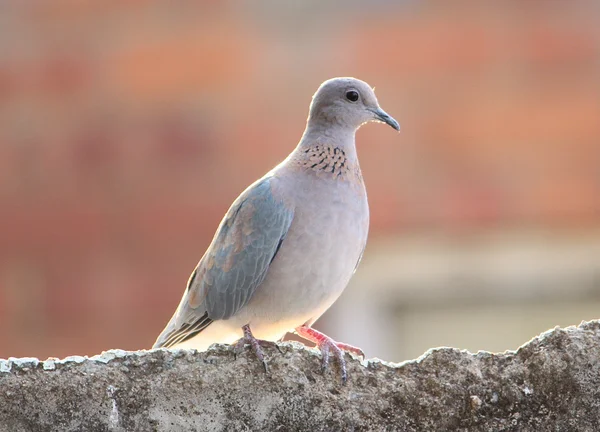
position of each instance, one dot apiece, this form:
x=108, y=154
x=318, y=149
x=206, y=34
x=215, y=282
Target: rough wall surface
x=552, y=383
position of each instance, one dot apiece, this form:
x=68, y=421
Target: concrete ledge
x=550, y=383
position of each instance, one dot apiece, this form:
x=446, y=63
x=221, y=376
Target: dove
x=289, y=244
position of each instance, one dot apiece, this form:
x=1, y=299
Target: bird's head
x=348, y=102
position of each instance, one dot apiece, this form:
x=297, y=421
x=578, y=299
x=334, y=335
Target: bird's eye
x=352, y=95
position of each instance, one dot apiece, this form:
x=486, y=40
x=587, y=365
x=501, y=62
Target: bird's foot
x=328, y=346
x=254, y=343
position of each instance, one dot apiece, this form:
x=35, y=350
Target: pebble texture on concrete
x=550, y=383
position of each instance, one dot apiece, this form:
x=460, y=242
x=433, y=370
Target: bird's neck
x=328, y=153
x=340, y=137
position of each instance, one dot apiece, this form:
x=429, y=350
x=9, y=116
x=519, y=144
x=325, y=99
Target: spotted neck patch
x=331, y=161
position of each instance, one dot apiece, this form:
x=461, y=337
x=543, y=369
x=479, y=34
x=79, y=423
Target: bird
x=290, y=243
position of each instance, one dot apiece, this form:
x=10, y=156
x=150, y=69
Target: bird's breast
x=319, y=253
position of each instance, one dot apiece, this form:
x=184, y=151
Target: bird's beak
x=384, y=117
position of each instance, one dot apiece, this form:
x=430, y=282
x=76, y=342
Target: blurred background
x=128, y=128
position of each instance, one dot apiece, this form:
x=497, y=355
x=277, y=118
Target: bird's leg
x=327, y=345
x=254, y=343
x=316, y=336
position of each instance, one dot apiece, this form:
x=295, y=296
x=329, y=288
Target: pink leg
x=326, y=345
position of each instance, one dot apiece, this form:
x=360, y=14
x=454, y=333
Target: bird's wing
x=234, y=265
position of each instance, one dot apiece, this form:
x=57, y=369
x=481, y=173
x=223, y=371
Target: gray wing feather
x=243, y=250
x=235, y=263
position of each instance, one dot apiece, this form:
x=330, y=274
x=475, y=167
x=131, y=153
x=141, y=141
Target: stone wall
x=550, y=383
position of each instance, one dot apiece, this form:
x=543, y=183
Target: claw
x=270, y=344
x=254, y=343
x=328, y=346
x=325, y=356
